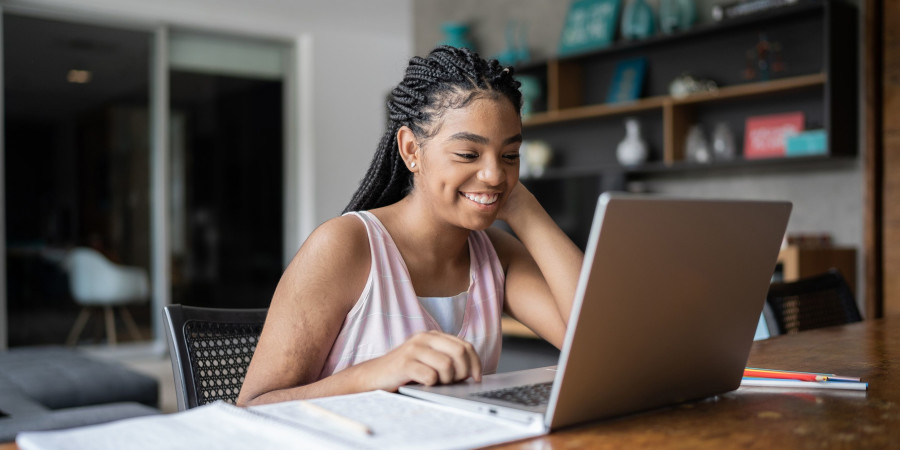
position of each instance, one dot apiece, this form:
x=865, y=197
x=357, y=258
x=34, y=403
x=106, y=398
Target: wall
x=825, y=199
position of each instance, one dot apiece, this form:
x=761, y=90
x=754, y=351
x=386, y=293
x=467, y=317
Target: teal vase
x=676, y=15
x=637, y=20
x=531, y=92
x=457, y=35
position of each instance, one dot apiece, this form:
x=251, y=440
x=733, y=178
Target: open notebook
x=397, y=421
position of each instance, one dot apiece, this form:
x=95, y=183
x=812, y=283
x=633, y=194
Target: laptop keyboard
x=528, y=394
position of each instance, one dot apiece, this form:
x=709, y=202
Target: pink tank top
x=388, y=311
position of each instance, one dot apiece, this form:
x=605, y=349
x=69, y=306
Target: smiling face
x=468, y=168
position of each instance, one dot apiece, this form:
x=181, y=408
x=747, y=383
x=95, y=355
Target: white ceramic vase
x=536, y=158
x=633, y=149
x=724, y=148
x=696, y=147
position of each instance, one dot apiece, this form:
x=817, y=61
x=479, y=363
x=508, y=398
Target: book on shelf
x=807, y=143
x=628, y=81
x=589, y=25
x=765, y=136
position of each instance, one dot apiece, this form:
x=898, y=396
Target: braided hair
x=448, y=78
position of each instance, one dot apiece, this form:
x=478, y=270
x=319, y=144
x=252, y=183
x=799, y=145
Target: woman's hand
x=428, y=358
x=518, y=202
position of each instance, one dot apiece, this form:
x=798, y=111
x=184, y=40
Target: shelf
x=755, y=89
x=561, y=173
x=803, y=7
x=594, y=111
x=739, y=164
x=651, y=103
x=685, y=167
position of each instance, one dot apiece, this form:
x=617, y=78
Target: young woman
x=410, y=283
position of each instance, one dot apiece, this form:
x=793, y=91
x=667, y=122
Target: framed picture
x=765, y=136
x=628, y=81
x=590, y=24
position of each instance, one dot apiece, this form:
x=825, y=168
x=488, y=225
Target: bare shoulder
x=339, y=242
x=333, y=262
x=340, y=233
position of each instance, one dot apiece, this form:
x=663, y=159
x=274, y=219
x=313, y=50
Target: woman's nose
x=492, y=172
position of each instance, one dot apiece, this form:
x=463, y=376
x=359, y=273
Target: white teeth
x=484, y=199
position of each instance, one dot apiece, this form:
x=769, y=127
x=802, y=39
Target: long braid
x=447, y=78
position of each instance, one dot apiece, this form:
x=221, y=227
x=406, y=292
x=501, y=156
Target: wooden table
x=772, y=418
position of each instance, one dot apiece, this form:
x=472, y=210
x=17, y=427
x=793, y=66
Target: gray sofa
x=50, y=388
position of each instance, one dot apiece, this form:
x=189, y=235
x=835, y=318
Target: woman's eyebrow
x=510, y=140
x=478, y=139
x=466, y=136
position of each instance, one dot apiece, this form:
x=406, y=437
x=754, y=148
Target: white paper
x=217, y=425
x=401, y=422
x=397, y=422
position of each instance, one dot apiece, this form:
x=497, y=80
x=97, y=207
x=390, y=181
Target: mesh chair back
x=210, y=350
x=819, y=301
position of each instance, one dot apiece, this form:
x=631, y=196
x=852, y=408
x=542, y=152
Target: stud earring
x=412, y=165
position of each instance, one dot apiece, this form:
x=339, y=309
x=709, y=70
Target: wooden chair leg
x=129, y=322
x=80, y=322
x=110, y=326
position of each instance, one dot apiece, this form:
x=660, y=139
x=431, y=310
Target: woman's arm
x=318, y=289
x=543, y=266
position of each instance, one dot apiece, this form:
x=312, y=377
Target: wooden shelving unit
x=677, y=112
x=821, y=58
x=594, y=111
x=819, y=48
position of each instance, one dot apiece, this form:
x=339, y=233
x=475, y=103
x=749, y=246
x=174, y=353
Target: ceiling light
x=79, y=76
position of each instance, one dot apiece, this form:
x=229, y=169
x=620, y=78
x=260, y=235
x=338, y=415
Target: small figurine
x=633, y=149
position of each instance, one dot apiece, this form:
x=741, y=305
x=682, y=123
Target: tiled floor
x=518, y=353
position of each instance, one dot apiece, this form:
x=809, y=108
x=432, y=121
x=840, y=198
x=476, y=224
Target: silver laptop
x=665, y=312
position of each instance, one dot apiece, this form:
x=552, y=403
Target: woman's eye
x=512, y=157
x=467, y=156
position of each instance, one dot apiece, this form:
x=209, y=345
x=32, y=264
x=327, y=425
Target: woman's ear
x=409, y=148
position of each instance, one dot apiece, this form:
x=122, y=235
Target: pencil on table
x=337, y=419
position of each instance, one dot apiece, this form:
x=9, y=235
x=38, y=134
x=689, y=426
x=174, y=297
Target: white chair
x=97, y=282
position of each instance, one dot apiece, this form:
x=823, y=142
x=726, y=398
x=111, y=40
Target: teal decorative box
x=807, y=143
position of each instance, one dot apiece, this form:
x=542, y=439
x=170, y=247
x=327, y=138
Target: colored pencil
x=784, y=375
x=830, y=376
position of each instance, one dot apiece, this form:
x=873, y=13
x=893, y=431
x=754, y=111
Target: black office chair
x=210, y=350
x=814, y=302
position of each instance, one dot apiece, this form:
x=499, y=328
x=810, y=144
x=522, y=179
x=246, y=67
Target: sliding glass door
x=161, y=151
